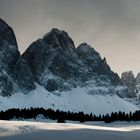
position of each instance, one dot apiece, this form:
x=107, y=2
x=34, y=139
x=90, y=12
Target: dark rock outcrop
x=7, y=33
x=58, y=65
x=14, y=72
x=96, y=64
x=138, y=79
x=129, y=80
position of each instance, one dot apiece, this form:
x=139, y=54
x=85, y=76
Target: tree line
x=61, y=116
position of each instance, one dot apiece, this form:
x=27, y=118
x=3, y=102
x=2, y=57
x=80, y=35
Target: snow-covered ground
x=77, y=99
x=134, y=101
x=23, y=130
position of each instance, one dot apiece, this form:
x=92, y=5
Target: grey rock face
x=7, y=33
x=54, y=57
x=138, y=82
x=14, y=72
x=92, y=59
x=138, y=78
x=6, y=87
x=23, y=77
x=129, y=80
x=58, y=65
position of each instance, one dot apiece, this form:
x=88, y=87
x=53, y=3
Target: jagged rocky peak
x=58, y=65
x=98, y=65
x=54, y=60
x=138, y=78
x=104, y=60
x=88, y=53
x=129, y=80
x=7, y=34
x=44, y=52
x=14, y=72
x=138, y=84
x=57, y=38
x=86, y=49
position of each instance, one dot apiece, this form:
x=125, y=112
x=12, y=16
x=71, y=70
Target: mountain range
x=54, y=73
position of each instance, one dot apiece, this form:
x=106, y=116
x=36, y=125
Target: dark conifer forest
x=61, y=116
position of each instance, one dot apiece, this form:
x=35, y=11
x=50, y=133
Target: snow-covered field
x=23, y=130
x=77, y=99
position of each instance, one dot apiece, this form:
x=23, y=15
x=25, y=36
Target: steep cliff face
x=129, y=80
x=7, y=34
x=14, y=73
x=138, y=82
x=96, y=64
x=58, y=65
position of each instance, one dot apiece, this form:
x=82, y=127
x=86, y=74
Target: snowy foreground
x=23, y=130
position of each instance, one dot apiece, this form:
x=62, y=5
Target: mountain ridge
x=53, y=73
x=56, y=54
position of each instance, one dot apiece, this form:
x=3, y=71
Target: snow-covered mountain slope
x=77, y=99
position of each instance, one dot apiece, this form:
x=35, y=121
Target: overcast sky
x=112, y=27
